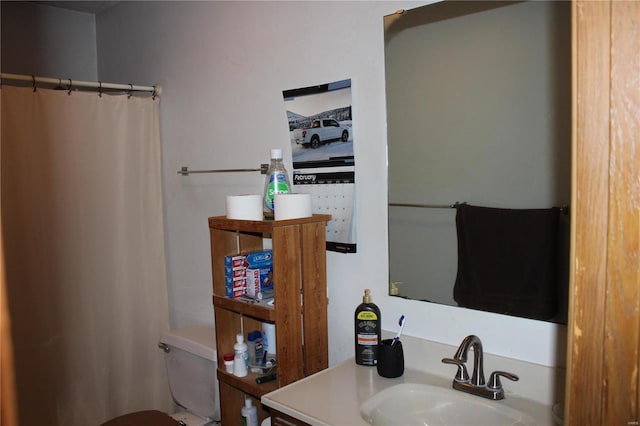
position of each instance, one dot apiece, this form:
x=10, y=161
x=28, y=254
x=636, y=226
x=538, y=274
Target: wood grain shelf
x=247, y=384
x=258, y=311
x=299, y=311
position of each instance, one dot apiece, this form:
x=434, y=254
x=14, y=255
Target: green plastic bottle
x=367, y=331
x=276, y=182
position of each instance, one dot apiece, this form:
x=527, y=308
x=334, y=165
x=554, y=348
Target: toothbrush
x=401, y=322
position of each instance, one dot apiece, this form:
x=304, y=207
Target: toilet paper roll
x=244, y=207
x=291, y=206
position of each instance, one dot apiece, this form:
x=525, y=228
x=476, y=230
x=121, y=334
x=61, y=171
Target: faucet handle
x=462, y=375
x=494, y=379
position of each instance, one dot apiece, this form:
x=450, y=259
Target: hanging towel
x=507, y=260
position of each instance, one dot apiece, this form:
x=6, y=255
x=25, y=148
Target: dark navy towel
x=508, y=260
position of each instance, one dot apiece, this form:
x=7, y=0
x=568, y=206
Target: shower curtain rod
x=69, y=83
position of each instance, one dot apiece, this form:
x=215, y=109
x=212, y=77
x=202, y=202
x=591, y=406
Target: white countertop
x=333, y=396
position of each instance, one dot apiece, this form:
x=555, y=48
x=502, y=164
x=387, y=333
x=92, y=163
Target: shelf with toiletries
x=247, y=384
x=298, y=311
x=262, y=311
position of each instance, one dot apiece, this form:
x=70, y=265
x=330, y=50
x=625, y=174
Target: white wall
x=223, y=66
x=48, y=41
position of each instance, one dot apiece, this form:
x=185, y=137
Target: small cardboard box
x=234, y=292
x=249, y=273
x=235, y=261
x=262, y=262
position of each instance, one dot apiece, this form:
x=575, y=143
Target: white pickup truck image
x=321, y=131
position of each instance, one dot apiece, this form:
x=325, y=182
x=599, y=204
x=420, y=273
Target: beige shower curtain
x=84, y=247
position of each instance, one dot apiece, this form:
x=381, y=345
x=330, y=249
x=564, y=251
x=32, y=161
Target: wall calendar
x=321, y=133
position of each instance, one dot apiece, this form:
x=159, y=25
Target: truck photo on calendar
x=321, y=136
x=320, y=125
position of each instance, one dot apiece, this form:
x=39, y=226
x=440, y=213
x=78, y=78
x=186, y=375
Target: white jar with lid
x=228, y=363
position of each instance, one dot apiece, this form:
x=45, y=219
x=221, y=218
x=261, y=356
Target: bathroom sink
x=422, y=404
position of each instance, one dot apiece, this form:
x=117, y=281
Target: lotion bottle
x=241, y=357
x=249, y=414
x=367, y=331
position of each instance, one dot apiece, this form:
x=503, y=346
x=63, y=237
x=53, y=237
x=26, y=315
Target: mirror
x=479, y=112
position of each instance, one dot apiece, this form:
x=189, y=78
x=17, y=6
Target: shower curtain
x=84, y=246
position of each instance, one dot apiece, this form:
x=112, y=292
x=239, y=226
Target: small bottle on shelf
x=241, y=357
x=249, y=413
x=256, y=347
x=228, y=363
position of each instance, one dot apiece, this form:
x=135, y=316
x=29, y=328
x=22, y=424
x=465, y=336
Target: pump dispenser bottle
x=367, y=331
x=276, y=182
x=241, y=357
x=249, y=414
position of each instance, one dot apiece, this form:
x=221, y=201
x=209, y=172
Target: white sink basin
x=421, y=404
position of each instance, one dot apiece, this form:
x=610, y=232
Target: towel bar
x=184, y=170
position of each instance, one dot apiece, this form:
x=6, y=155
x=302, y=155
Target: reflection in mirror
x=479, y=112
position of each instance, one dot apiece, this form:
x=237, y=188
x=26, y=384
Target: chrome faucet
x=476, y=384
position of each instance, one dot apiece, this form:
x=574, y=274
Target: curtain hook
x=70, y=84
x=154, y=93
x=130, y=91
x=100, y=90
x=33, y=78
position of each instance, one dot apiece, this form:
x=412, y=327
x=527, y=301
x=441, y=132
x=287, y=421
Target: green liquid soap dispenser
x=367, y=331
x=277, y=181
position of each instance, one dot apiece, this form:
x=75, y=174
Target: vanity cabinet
x=281, y=419
x=299, y=310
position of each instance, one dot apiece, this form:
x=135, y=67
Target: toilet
x=191, y=362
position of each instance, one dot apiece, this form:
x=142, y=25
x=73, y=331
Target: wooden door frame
x=604, y=312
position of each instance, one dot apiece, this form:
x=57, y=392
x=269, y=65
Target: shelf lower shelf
x=248, y=383
x=260, y=311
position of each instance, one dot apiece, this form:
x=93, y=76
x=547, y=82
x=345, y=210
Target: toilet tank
x=191, y=362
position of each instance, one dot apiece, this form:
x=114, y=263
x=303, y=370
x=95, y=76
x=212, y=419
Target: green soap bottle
x=367, y=331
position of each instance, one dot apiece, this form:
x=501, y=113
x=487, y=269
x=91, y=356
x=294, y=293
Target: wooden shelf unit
x=299, y=310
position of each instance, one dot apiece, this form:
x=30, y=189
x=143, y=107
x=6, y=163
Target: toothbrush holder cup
x=390, y=359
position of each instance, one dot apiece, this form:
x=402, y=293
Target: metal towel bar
x=563, y=209
x=184, y=170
